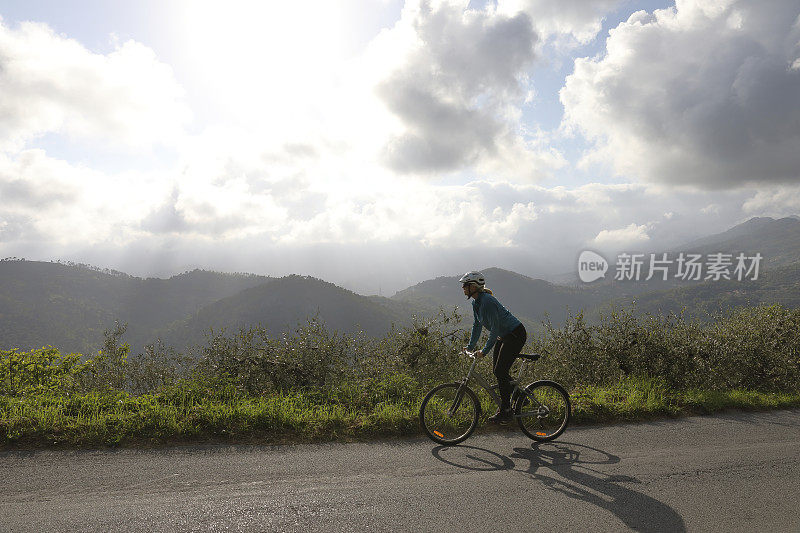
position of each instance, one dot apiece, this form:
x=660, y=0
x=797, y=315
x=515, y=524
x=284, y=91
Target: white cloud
x=700, y=94
x=234, y=213
x=579, y=19
x=631, y=235
x=457, y=80
x=64, y=203
x=53, y=84
x=778, y=201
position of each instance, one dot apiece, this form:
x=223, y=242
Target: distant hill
x=777, y=285
x=282, y=304
x=778, y=241
x=48, y=303
x=530, y=300
x=70, y=306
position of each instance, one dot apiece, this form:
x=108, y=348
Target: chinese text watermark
x=677, y=265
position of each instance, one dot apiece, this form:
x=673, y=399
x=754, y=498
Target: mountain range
x=69, y=306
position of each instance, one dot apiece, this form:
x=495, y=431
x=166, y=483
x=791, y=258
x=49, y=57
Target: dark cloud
x=441, y=135
x=453, y=91
x=167, y=218
x=696, y=95
x=19, y=192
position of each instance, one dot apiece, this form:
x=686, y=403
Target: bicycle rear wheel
x=543, y=410
x=449, y=413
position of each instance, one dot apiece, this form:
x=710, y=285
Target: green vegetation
x=313, y=384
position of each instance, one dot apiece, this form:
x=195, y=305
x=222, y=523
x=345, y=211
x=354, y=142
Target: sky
x=379, y=143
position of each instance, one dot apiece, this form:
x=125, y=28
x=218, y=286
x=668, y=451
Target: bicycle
x=449, y=412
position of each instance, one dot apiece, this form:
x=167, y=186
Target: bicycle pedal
x=501, y=418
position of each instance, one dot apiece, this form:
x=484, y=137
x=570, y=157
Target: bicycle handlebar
x=471, y=354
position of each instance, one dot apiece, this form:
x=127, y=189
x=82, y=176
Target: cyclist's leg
x=503, y=378
x=506, y=352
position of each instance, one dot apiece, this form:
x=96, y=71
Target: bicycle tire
x=449, y=428
x=547, y=419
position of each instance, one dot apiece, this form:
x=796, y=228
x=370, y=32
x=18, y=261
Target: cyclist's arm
x=492, y=314
x=476, y=332
x=489, y=342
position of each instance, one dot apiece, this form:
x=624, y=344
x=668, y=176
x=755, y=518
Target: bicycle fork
x=457, y=401
x=460, y=392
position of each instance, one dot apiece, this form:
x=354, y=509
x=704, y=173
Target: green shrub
x=39, y=371
x=750, y=348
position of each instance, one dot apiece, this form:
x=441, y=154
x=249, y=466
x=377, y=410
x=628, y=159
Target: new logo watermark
x=591, y=266
x=677, y=265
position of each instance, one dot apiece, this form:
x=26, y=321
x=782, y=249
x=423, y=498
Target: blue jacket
x=490, y=314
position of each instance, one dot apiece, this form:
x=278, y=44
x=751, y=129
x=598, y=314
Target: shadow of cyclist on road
x=573, y=470
x=472, y=458
x=574, y=478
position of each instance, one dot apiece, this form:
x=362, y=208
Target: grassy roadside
x=118, y=419
x=313, y=385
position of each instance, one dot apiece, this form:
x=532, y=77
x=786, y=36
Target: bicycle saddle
x=530, y=357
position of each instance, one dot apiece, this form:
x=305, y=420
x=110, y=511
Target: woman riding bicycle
x=507, y=336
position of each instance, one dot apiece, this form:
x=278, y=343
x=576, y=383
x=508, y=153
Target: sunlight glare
x=261, y=58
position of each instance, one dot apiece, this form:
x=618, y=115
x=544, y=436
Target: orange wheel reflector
x=438, y=434
x=541, y=434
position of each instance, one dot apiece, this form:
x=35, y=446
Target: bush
x=750, y=348
x=258, y=364
x=39, y=371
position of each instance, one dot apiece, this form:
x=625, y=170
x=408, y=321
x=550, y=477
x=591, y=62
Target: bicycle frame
x=490, y=389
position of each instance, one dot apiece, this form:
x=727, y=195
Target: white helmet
x=473, y=277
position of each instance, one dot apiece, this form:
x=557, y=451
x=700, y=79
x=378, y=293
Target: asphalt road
x=734, y=472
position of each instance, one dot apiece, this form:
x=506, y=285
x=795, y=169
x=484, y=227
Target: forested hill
x=777, y=240
x=284, y=303
x=532, y=300
x=777, y=280
x=70, y=306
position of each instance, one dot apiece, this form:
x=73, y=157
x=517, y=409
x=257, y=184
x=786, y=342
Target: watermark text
x=676, y=265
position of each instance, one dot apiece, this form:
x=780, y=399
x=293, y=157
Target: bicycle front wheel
x=449, y=413
x=542, y=410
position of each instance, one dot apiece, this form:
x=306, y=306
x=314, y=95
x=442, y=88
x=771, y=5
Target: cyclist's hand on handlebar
x=477, y=354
